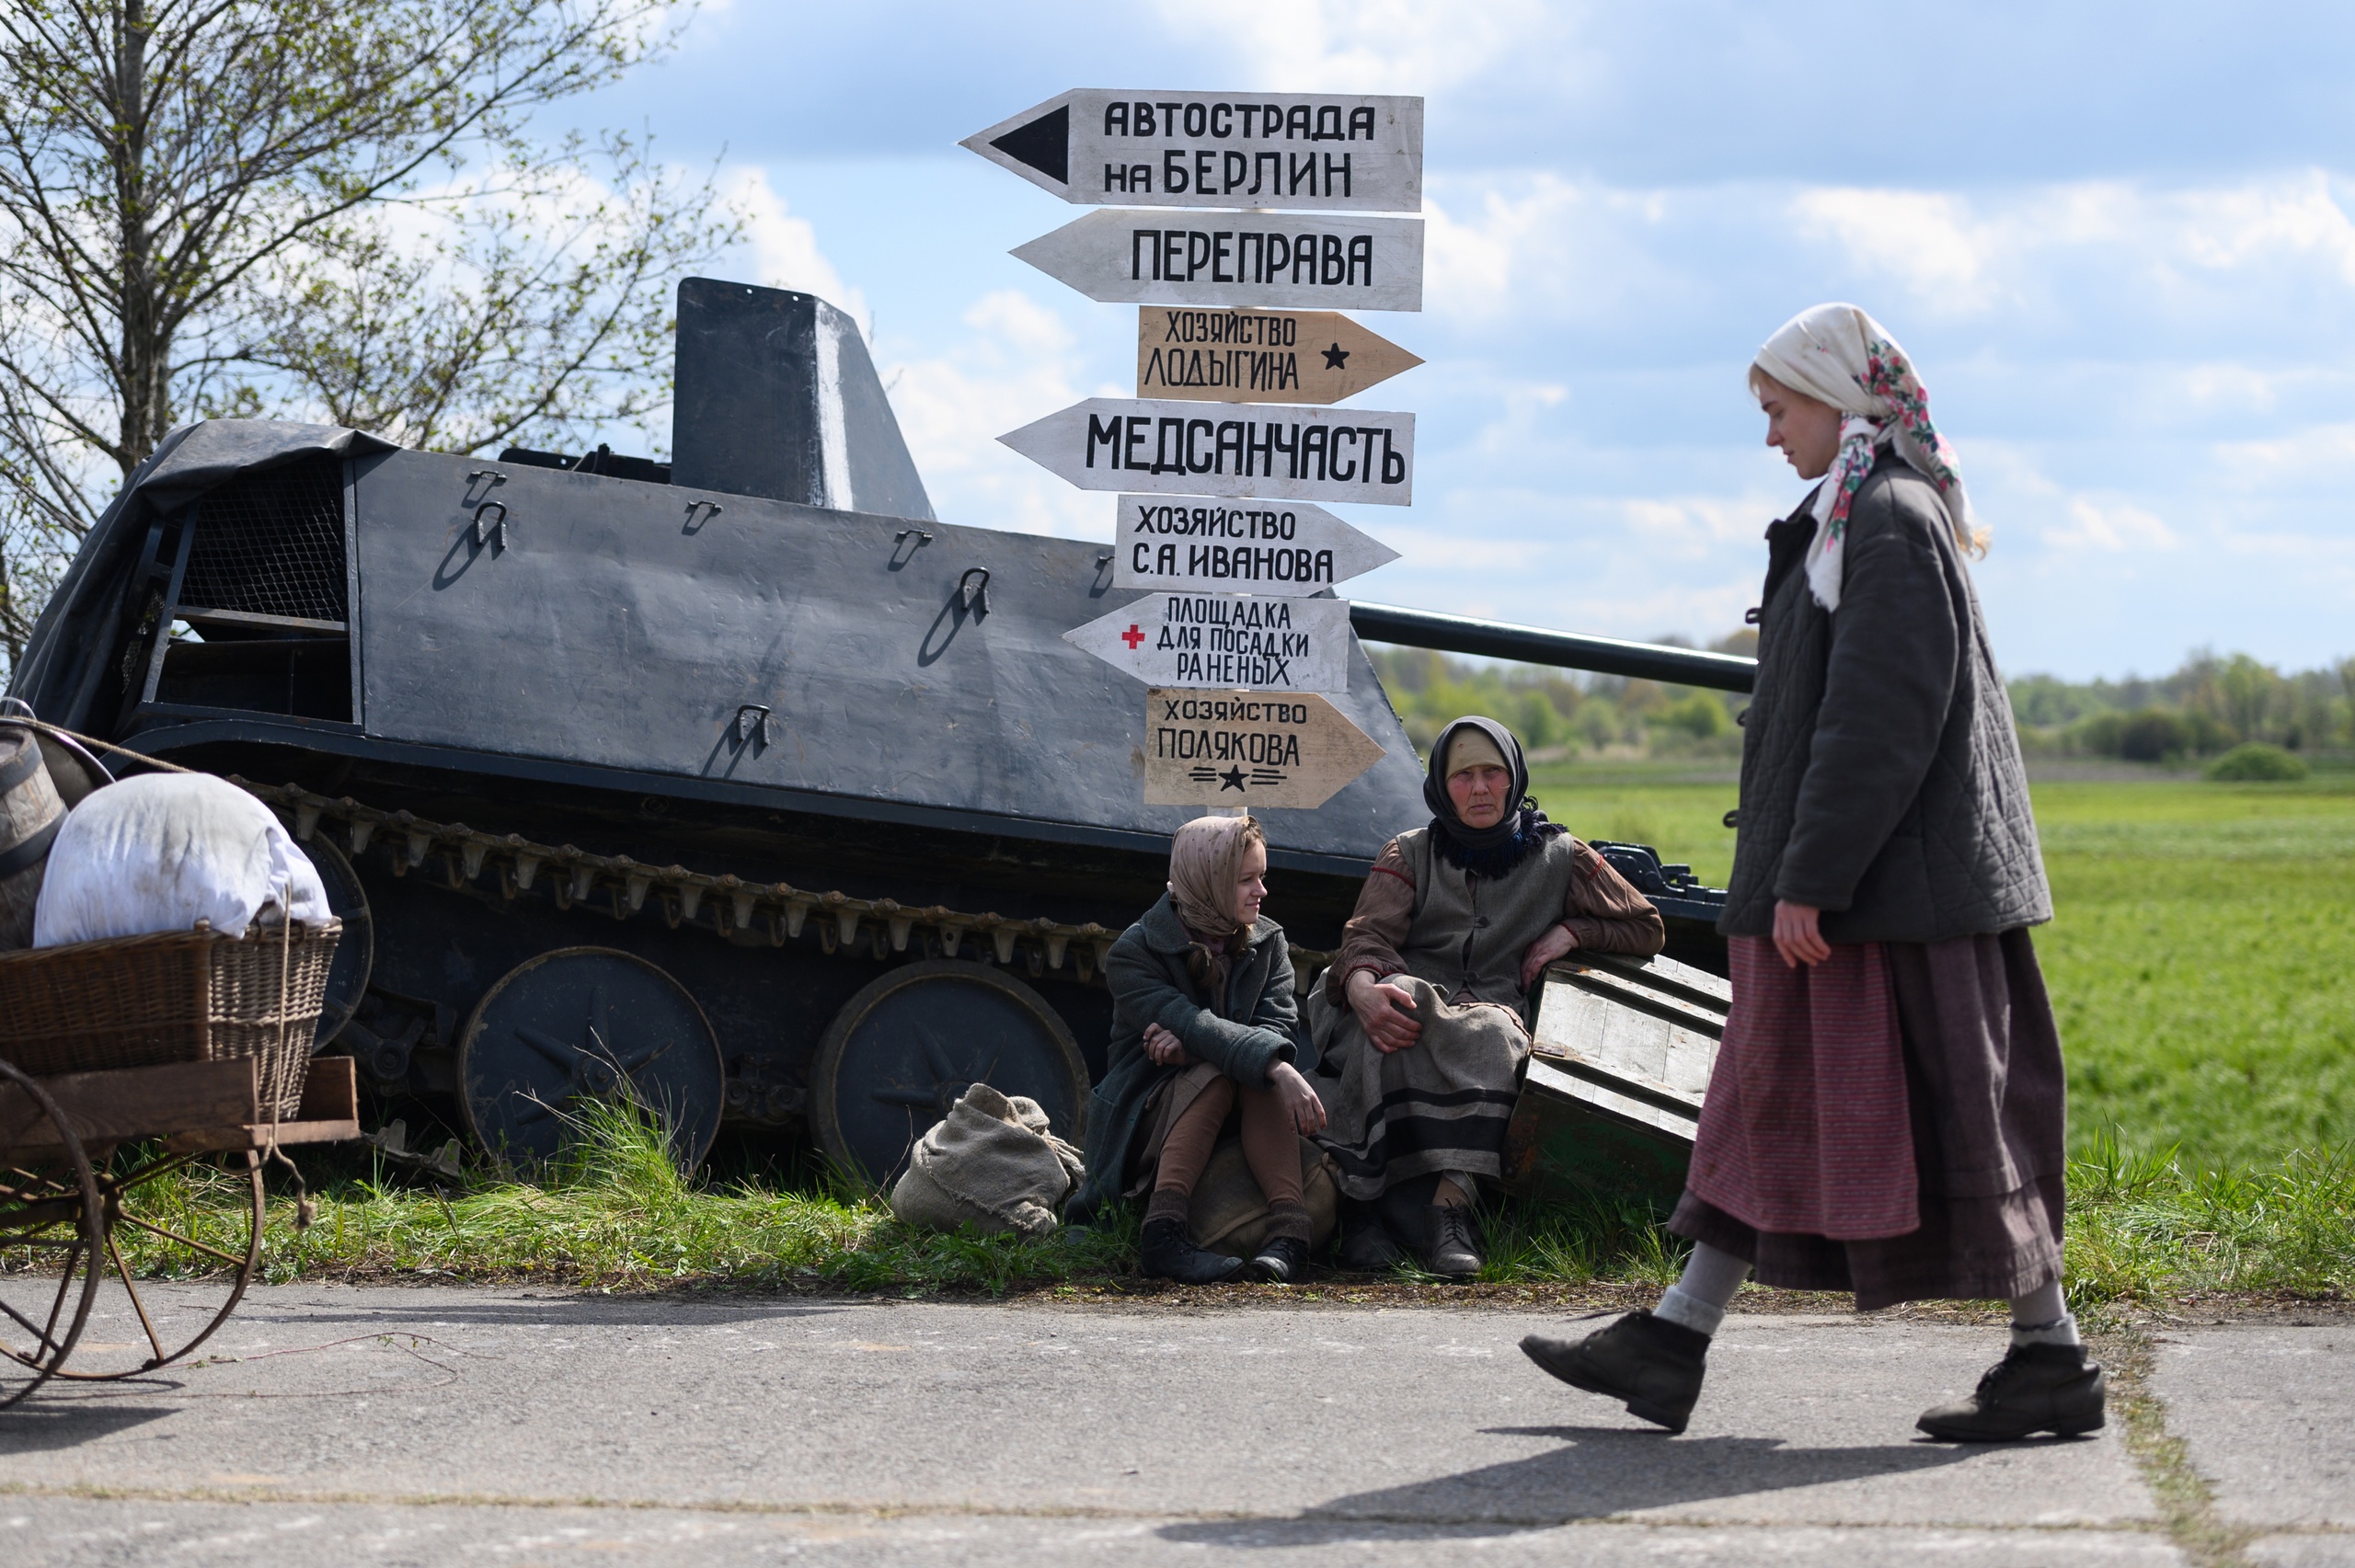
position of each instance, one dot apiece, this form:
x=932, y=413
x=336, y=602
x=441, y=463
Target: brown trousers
x=1270, y=1146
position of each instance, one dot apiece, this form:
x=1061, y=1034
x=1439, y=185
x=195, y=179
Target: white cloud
x=1368, y=46
x=1927, y=239
x=785, y=249
x=1021, y=363
x=2117, y=527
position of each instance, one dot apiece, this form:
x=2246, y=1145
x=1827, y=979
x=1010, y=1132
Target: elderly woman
x=1885, y=1115
x=1419, y=1022
x=1204, y=1030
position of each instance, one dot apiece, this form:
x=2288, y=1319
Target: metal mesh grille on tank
x=271, y=544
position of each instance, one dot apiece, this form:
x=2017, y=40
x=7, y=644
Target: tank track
x=724, y=906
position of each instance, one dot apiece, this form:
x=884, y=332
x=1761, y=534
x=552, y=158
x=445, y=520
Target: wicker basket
x=175, y=996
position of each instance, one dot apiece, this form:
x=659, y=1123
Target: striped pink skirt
x=1805, y=1127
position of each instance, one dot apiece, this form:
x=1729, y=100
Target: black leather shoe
x=1170, y=1253
x=1443, y=1239
x=2035, y=1388
x=1652, y=1365
x=1281, y=1261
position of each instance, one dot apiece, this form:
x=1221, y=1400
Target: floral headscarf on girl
x=1205, y=873
x=1837, y=354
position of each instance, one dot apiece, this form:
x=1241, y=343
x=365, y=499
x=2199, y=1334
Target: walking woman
x=1886, y=1113
x=1204, y=1029
x=1419, y=1023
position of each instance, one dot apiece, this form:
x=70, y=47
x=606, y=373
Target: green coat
x=1146, y=970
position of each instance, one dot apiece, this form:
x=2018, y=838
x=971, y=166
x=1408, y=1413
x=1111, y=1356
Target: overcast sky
x=2115, y=238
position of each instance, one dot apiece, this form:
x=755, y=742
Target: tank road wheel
x=355, y=952
x=587, y=1023
x=49, y=1223
x=182, y=1240
x=900, y=1052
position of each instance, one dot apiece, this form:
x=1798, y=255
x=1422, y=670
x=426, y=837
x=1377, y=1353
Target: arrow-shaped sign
x=1249, y=749
x=1225, y=639
x=1236, y=259
x=1239, y=355
x=1335, y=151
x=1217, y=546
x=1180, y=449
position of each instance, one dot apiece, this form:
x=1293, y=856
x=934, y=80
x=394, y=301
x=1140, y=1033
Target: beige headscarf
x=1205, y=864
x=1839, y=355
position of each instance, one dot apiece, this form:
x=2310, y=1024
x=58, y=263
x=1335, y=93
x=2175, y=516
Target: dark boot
x=1652, y=1365
x=1367, y=1245
x=2035, y=1388
x=1170, y=1253
x=1282, y=1260
x=1443, y=1239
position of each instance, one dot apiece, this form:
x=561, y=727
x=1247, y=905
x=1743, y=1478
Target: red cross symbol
x=1132, y=637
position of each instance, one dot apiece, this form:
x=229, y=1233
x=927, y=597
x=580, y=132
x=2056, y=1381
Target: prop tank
x=741, y=777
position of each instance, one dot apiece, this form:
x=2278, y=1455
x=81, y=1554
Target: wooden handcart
x=86, y=1239
x=144, y=1081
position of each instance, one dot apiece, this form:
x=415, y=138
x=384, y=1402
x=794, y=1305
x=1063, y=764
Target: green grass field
x=2201, y=957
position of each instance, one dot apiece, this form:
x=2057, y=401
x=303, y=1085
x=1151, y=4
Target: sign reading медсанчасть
x=1274, y=452
x=1249, y=749
x=1236, y=259
x=1225, y=639
x=1282, y=547
x=1096, y=145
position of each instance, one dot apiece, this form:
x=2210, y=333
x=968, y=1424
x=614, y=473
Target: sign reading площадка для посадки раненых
x=1226, y=459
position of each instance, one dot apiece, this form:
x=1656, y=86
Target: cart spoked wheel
x=182, y=1240
x=50, y=1221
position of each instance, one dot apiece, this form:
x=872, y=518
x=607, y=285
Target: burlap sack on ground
x=1229, y=1214
x=990, y=1162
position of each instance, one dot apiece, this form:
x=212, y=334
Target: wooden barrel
x=31, y=813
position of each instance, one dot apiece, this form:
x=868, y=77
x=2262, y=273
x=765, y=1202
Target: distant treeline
x=1557, y=713
x=2208, y=706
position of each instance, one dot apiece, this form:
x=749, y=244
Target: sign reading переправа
x=1260, y=356
x=1094, y=146
x=1249, y=749
x=1273, y=452
x=1236, y=259
x=1280, y=547
x=1225, y=639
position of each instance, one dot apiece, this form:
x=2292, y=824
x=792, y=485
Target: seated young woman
x=1419, y=1020
x=1205, y=1031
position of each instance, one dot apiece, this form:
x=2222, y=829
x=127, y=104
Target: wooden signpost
x=1260, y=356
x=1236, y=259
x=1249, y=749
x=1095, y=145
x=1181, y=449
x=1203, y=545
x=1216, y=520
x=1225, y=639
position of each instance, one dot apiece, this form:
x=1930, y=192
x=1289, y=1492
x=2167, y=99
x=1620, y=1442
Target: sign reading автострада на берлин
x=1185, y=449
x=1280, y=547
x=1236, y=259
x=1094, y=146
x=1225, y=639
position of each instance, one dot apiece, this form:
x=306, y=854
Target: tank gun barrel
x=1566, y=650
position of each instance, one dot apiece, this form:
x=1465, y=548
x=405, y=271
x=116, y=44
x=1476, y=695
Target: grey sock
x=1697, y=1301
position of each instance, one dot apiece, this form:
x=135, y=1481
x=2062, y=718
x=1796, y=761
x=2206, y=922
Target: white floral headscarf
x=1839, y=355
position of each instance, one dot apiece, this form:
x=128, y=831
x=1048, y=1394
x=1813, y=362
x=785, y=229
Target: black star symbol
x=1231, y=779
x=1335, y=357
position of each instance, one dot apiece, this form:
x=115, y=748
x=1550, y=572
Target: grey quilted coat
x=1881, y=773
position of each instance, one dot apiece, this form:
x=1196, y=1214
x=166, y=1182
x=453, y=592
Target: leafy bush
x=2153, y=736
x=1700, y=716
x=2257, y=763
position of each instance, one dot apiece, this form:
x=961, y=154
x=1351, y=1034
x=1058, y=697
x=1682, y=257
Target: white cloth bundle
x=161, y=852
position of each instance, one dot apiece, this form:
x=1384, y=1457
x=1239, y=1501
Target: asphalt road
x=343, y=1426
